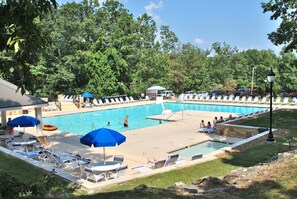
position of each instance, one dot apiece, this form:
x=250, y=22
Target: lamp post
x=253, y=72
x=270, y=78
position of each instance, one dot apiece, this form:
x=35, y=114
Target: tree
x=287, y=31
x=21, y=38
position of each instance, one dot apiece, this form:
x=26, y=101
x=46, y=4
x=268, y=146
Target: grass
x=284, y=187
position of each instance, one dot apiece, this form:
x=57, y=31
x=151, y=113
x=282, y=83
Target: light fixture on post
x=270, y=78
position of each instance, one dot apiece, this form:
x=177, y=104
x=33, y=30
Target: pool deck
x=142, y=144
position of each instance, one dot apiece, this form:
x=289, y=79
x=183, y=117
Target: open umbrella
x=23, y=121
x=103, y=137
x=159, y=88
x=87, y=95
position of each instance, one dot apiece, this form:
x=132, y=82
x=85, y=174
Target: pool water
x=204, y=148
x=84, y=122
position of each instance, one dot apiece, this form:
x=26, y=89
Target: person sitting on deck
x=202, y=125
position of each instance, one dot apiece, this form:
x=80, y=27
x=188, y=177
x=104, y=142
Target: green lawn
x=260, y=153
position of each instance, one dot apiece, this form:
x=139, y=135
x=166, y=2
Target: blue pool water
x=82, y=123
x=204, y=148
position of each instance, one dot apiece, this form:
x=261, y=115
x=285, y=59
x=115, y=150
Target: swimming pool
x=203, y=148
x=82, y=123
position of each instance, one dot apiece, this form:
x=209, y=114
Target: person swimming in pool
x=126, y=121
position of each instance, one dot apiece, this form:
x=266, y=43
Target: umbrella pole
x=104, y=155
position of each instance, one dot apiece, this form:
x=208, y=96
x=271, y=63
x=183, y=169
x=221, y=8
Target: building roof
x=11, y=99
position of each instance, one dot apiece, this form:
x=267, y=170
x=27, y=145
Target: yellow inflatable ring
x=49, y=127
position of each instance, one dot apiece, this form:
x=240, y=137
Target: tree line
x=105, y=50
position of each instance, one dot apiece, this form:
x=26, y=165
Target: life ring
x=49, y=127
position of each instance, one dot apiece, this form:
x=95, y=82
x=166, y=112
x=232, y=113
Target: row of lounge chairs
x=112, y=100
x=69, y=98
x=243, y=99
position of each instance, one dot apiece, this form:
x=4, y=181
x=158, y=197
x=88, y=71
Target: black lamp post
x=270, y=78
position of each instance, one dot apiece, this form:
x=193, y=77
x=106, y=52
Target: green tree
x=21, y=38
x=287, y=31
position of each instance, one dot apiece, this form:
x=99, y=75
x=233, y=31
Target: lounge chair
x=171, y=160
x=107, y=101
x=263, y=101
x=225, y=98
x=207, y=98
x=117, y=100
x=277, y=100
x=213, y=98
x=197, y=156
x=112, y=101
x=231, y=98
x=95, y=102
x=219, y=98
x=285, y=102
x=236, y=100
x=249, y=99
x=256, y=99
x=118, y=158
x=121, y=100
x=157, y=164
x=54, y=107
x=127, y=99
x=294, y=101
x=243, y=99
x=132, y=99
x=117, y=172
x=147, y=98
x=100, y=102
x=93, y=175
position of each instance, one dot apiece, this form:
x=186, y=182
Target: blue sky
x=240, y=23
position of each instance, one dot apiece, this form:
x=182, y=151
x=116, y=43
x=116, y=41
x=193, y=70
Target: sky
x=239, y=23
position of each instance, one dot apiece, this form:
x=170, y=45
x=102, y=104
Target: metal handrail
x=170, y=115
x=76, y=103
x=58, y=104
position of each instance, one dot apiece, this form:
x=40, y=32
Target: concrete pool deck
x=142, y=144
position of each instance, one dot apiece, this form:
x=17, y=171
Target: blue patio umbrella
x=23, y=121
x=103, y=137
x=87, y=95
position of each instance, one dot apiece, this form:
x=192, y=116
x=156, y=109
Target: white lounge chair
x=121, y=100
x=127, y=99
x=93, y=175
x=219, y=98
x=256, y=99
x=213, y=98
x=147, y=98
x=277, y=100
x=95, y=102
x=249, y=99
x=263, y=101
x=294, y=101
x=132, y=99
x=207, y=98
x=112, y=101
x=243, y=99
x=100, y=102
x=107, y=101
x=117, y=172
x=225, y=98
x=230, y=99
x=236, y=100
x=286, y=101
x=117, y=100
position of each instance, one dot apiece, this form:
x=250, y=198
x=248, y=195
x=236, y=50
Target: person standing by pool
x=126, y=121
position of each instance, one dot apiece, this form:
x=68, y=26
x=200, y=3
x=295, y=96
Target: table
x=107, y=166
x=24, y=144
